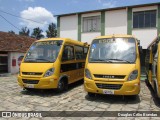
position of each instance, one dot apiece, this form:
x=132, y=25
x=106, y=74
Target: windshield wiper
x=105, y=60
x=29, y=60
x=120, y=60
x=42, y=59
x=97, y=59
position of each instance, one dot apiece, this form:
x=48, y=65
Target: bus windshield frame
x=43, y=51
x=113, y=50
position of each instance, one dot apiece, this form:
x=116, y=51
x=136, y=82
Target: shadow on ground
x=117, y=99
x=50, y=92
x=155, y=99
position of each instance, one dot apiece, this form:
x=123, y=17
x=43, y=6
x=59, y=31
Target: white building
x=142, y=21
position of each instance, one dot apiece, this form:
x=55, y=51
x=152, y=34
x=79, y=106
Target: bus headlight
x=133, y=75
x=88, y=74
x=49, y=72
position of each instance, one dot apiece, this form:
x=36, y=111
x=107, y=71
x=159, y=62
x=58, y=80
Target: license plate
x=108, y=92
x=29, y=85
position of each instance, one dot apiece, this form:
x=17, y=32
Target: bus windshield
x=45, y=51
x=113, y=50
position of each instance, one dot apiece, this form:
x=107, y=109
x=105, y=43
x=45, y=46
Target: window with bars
x=144, y=19
x=91, y=24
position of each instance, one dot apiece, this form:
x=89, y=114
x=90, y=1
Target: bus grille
x=32, y=73
x=109, y=86
x=110, y=76
x=30, y=81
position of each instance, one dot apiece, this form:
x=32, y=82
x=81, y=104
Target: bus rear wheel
x=155, y=91
x=147, y=82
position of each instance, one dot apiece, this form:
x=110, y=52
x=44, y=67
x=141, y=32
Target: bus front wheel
x=62, y=85
x=91, y=95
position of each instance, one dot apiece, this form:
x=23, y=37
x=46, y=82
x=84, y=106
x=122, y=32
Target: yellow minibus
x=113, y=66
x=153, y=66
x=53, y=63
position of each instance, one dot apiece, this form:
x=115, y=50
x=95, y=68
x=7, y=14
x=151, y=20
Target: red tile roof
x=15, y=43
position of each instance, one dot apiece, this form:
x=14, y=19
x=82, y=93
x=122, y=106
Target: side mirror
x=59, y=43
x=138, y=42
x=140, y=50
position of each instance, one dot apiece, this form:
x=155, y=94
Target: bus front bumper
x=38, y=83
x=127, y=88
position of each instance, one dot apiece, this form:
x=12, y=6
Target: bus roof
x=114, y=35
x=67, y=40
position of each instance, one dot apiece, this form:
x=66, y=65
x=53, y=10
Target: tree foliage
x=52, y=31
x=24, y=31
x=12, y=32
x=37, y=33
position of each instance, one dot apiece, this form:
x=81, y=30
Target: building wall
x=116, y=22
x=13, y=55
x=154, y=7
x=69, y=26
x=145, y=36
x=88, y=36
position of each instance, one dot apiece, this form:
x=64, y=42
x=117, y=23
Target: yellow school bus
x=53, y=63
x=113, y=66
x=153, y=66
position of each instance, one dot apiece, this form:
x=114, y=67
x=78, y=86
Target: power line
x=22, y=17
x=9, y=22
x=18, y=36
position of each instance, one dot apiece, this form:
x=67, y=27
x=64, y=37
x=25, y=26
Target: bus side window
x=85, y=52
x=79, y=52
x=68, y=53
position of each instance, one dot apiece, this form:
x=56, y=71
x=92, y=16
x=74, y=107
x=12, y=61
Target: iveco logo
x=106, y=76
x=31, y=73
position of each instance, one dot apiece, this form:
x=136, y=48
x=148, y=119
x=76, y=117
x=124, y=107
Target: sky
x=41, y=12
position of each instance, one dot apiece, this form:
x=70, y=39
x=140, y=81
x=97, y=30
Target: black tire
x=91, y=95
x=29, y=89
x=134, y=97
x=147, y=82
x=155, y=91
x=66, y=86
x=62, y=85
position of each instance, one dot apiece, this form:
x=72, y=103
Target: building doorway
x=3, y=62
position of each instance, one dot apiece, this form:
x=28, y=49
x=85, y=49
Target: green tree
x=52, y=31
x=12, y=32
x=24, y=31
x=37, y=33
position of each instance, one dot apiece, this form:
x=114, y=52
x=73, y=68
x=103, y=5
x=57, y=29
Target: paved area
x=12, y=98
